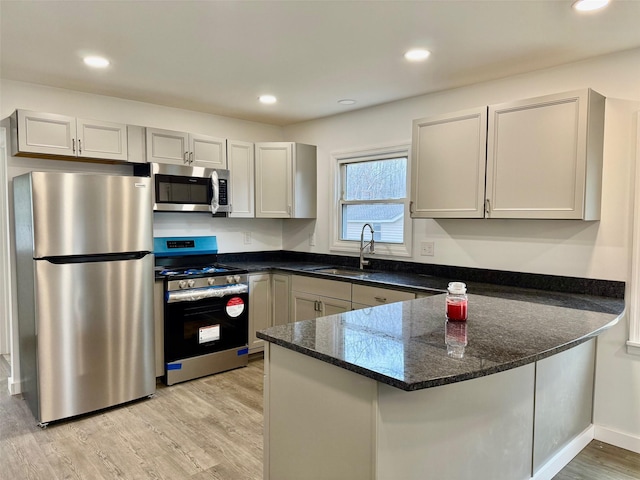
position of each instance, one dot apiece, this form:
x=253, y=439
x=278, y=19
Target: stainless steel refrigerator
x=85, y=291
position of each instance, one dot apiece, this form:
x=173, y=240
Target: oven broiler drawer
x=195, y=294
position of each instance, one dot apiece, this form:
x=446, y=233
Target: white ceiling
x=218, y=56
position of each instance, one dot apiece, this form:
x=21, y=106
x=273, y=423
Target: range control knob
x=182, y=284
x=191, y=283
x=229, y=279
x=236, y=278
x=211, y=281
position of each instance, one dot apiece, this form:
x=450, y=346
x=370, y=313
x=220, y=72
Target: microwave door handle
x=215, y=193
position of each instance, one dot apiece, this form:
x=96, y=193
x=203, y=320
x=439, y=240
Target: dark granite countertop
x=404, y=344
x=514, y=319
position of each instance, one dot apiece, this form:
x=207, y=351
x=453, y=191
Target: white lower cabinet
x=259, y=308
x=158, y=319
x=268, y=305
x=317, y=297
x=363, y=296
x=280, y=294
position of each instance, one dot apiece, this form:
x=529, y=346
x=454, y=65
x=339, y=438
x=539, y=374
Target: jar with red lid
x=456, y=302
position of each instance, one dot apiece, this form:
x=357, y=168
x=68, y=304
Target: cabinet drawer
x=373, y=296
x=320, y=286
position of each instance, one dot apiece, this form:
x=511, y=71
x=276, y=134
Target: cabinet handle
x=186, y=158
x=410, y=207
x=190, y=157
x=73, y=145
x=487, y=206
x=79, y=147
x=381, y=299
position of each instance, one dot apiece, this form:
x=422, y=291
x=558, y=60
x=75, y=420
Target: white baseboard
x=564, y=456
x=15, y=388
x=618, y=439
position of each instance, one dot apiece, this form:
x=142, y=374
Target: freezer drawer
x=95, y=335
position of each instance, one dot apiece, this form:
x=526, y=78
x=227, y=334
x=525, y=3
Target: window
x=372, y=187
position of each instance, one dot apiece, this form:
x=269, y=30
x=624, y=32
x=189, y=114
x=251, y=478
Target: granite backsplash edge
x=553, y=283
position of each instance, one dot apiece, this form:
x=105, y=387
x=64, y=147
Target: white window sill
x=633, y=348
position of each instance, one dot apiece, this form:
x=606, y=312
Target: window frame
x=401, y=150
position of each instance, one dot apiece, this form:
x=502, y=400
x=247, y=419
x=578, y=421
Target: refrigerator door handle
x=101, y=257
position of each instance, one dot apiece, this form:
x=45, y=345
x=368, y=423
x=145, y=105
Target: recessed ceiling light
x=268, y=99
x=96, y=62
x=346, y=101
x=417, y=54
x=589, y=5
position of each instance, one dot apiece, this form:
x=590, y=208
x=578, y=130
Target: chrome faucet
x=370, y=244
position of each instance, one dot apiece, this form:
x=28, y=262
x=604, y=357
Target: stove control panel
x=203, y=282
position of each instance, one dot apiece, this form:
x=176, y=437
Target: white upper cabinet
x=241, y=166
x=47, y=134
x=181, y=148
x=448, y=158
x=540, y=158
x=285, y=180
x=544, y=157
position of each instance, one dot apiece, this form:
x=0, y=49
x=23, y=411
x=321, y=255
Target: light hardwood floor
x=210, y=428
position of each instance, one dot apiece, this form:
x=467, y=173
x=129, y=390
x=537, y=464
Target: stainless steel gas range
x=206, y=309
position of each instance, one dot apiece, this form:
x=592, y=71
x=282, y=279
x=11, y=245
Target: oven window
x=205, y=326
x=182, y=190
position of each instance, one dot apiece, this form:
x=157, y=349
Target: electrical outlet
x=247, y=238
x=426, y=249
x=312, y=239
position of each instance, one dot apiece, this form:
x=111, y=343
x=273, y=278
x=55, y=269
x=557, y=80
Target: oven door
x=196, y=327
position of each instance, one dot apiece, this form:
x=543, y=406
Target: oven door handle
x=195, y=294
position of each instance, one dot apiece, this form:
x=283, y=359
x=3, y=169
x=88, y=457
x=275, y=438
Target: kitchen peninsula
x=374, y=393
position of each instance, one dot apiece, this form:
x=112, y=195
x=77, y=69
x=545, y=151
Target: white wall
x=266, y=234
x=583, y=249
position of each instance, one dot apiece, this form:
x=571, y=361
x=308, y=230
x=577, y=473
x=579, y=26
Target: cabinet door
x=281, y=286
x=544, y=155
x=304, y=306
x=333, y=306
x=274, y=188
x=259, y=308
x=374, y=296
x=448, y=165
x=242, y=171
x=167, y=146
x=321, y=287
x=208, y=152
x=45, y=133
x=158, y=319
x=97, y=139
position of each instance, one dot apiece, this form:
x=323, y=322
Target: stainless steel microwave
x=181, y=188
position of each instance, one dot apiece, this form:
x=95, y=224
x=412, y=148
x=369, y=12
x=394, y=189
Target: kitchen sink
x=344, y=272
